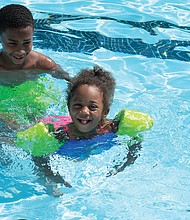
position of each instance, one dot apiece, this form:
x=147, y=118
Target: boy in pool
x=23, y=99
x=18, y=62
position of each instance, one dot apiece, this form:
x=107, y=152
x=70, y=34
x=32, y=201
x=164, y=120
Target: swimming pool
x=146, y=46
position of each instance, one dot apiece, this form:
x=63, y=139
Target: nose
x=85, y=110
x=20, y=48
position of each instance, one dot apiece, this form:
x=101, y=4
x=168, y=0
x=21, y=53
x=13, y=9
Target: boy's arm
x=59, y=73
x=45, y=63
x=8, y=123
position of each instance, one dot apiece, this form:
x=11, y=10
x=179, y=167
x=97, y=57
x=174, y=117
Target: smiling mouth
x=18, y=57
x=84, y=121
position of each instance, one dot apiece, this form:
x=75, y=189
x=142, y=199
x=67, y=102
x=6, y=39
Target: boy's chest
x=16, y=77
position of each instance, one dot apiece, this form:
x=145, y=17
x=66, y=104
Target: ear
x=106, y=113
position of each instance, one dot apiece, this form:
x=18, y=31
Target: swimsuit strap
x=108, y=127
x=62, y=133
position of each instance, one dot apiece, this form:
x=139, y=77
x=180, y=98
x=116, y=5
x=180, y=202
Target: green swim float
x=28, y=101
x=132, y=122
x=38, y=141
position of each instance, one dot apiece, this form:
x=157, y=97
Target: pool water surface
x=145, y=44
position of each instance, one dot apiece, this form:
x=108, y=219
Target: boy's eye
x=27, y=43
x=12, y=43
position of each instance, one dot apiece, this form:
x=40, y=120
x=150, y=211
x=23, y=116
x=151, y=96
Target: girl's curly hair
x=98, y=77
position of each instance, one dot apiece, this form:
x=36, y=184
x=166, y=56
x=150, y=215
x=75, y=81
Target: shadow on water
x=86, y=42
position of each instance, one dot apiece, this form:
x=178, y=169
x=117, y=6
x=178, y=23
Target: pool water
x=145, y=44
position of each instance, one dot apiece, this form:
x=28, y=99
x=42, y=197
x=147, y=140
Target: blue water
x=145, y=44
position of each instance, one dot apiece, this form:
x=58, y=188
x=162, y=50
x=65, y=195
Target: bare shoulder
x=1, y=61
x=43, y=62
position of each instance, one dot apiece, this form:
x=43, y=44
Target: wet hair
x=98, y=77
x=15, y=16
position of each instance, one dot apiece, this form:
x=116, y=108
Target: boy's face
x=17, y=44
x=86, y=108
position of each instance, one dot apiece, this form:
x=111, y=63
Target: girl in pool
x=89, y=96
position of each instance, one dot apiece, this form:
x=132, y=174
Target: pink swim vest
x=57, y=121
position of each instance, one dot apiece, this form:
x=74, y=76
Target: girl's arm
x=45, y=169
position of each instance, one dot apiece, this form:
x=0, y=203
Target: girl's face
x=17, y=44
x=86, y=108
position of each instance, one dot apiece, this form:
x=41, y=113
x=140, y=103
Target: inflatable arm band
x=132, y=122
x=38, y=141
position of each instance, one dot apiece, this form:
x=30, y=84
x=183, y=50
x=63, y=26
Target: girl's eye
x=93, y=107
x=77, y=106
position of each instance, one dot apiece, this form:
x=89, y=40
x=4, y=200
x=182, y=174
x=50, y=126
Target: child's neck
x=74, y=133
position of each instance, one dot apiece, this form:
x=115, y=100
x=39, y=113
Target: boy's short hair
x=98, y=77
x=15, y=16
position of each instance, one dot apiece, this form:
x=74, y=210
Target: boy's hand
x=59, y=73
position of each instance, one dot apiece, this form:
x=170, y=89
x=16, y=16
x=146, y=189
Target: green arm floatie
x=37, y=140
x=132, y=122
